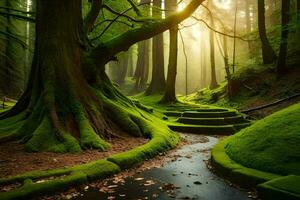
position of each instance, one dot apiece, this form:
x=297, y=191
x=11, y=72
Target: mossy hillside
x=234, y=171
x=287, y=187
x=270, y=144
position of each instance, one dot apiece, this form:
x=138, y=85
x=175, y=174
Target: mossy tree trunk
x=268, y=53
x=281, y=63
x=170, y=91
x=158, y=82
x=70, y=103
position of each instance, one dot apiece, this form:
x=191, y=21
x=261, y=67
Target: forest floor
x=14, y=160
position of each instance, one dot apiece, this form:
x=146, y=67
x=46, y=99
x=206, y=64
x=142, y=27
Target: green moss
x=43, y=139
x=271, y=144
x=30, y=189
x=283, y=188
x=235, y=172
x=75, y=175
x=88, y=137
x=162, y=139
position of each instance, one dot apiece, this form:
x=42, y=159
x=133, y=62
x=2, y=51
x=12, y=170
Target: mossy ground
x=270, y=144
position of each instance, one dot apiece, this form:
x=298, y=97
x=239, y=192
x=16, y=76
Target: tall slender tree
x=158, y=82
x=248, y=25
x=143, y=62
x=281, y=63
x=268, y=53
x=213, y=76
x=170, y=91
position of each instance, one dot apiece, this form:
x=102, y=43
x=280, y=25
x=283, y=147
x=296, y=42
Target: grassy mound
x=271, y=144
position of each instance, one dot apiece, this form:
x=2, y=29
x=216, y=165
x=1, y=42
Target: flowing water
x=185, y=178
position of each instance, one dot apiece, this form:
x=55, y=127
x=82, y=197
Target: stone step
x=209, y=130
x=209, y=114
x=173, y=113
x=213, y=121
x=199, y=110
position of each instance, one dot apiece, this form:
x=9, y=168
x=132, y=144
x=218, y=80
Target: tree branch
x=106, y=51
x=135, y=7
x=92, y=15
x=122, y=14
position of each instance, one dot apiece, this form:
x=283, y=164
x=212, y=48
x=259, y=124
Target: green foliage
x=271, y=144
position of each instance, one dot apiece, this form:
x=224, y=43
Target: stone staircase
x=209, y=121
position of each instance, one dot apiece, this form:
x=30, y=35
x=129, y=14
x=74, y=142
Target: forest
x=150, y=99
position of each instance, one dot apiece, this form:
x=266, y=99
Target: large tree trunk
x=281, y=63
x=158, y=82
x=170, y=91
x=60, y=111
x=268, y=53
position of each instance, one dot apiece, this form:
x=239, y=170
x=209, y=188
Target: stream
x=187, y=177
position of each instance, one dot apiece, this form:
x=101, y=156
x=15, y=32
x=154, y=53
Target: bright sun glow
x=181, y=6
x=224, y=4
x=196, y=32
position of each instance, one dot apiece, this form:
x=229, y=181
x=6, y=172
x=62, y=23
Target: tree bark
x=158, y=82
x=248, y=26
x=170, y=91
x=213, y=76
x=142, y=66
x=281, y=63
x=268, y=53
x=123, y=68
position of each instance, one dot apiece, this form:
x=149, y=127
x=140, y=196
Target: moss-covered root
x=69, y=177
x=88, y=137
x=162, y=139
x=43, y=139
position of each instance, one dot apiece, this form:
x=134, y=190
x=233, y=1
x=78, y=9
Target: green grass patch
x=270, y=144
